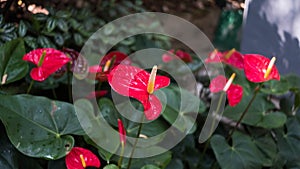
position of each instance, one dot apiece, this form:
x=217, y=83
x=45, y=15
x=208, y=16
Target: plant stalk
x=244, y=112
x=135, y=143
x=30, y=86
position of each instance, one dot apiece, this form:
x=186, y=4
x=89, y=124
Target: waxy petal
x=170, y=55
x=217, y=84
x=152, y=108
x=73, y=160
x=234, y=94
x=122, y=132
x=255, y=67
x=236, y=59
x=184, y=56
x=54, y=59
x=132, y=81
x=214, y=57
x=119, y=58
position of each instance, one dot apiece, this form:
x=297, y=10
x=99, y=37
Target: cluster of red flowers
x=137, y=83
x=257, y=69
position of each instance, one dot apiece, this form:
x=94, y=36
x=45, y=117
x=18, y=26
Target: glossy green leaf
x=40, y=17
x=51, y=24
x=276, y=87
x=31, y=42
x=45, y=42
x=96, y=129
x=78, y=39
x=268, y=147
x=181, y=103
x=39, y=127
x=62, y=25
x=22, y=29
x=258, y=114
x=289, y=141
x=59, y=39
x=111, y=166
x=150, y=166
x=12, y=67
x=242, y=154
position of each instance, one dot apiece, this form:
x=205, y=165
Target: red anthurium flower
x=107, y=63
x=232, y=57
x=139, y=84
x=116, y=57
x=48, y=60
x=260, y=69
x=184, y=56
x=122, y=132
x=214, y=57
x=96, y=94
x=80, y=158
x=234, y=92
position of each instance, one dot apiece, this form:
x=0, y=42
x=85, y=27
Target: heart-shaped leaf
x=39, y=127
x=289, y=141
x=12, y=67
x=111, y=166
x=184, y=104
x=258, y=114
x=242, y=154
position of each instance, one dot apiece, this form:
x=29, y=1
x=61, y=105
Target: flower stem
x=121, y=155
x=135, y=143
x=212, y=126
x=54, y=93
x=30, y=86
x=244, y=112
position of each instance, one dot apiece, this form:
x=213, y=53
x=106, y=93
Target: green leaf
x=175, y=164
x=59, y=39
x=268, y=147
x=63, y=14
x=40, y=17
x=289, y=141
x=183, y=106
x=22, y=30
x=150, y=167
x=242, y=154
x=276, y=87
x=31, y=42
x=62, y=25
x=51, y=24
x=12, y=67
x=78, y=39
x=258, y=114
x=44, y=42
x=111, y=166
x=39, y=127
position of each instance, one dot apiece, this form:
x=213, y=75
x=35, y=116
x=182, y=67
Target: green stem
x=54, y=93
x=211, y=130
x=121, y=155
x=244, y=112
x=30, y=86
x=135, y=143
